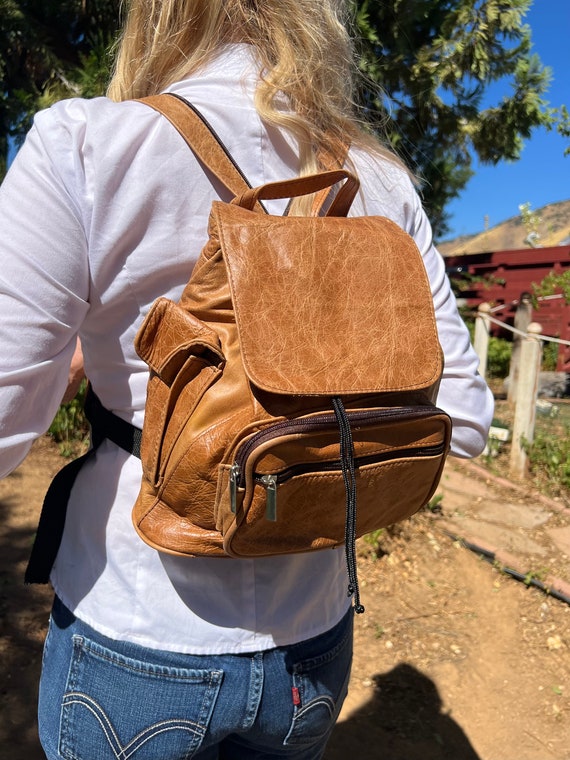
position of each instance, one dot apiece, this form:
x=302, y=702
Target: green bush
x=550, y=455
x=498, y=357
x=498, y=353
x=70, y=427
x=550, y=356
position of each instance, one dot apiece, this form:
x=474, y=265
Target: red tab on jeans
x=296, y=697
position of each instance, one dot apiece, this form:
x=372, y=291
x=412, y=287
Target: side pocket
x=118, y=707
x=168, y=409
x=320, y=685
x=185, y=358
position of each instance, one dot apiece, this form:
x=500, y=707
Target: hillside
x=554, y=229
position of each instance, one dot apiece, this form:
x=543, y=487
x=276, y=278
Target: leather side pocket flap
x=170, y=334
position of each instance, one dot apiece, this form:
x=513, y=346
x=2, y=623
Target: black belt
x=104, y=424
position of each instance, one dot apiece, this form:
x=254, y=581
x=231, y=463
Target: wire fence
x=524, y=378
x=504, y=325
x=522, y=333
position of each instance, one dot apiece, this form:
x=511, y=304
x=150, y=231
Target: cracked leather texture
x=332, y=306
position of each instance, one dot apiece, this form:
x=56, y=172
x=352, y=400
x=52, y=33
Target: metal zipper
x=271, y=481
x=325, y=421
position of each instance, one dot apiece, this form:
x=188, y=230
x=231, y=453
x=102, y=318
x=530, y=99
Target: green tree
x=430, y=64
x=50, y=49
x=563, y=125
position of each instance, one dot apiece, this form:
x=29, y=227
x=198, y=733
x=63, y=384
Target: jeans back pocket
x=118, y=707
x=320, y=684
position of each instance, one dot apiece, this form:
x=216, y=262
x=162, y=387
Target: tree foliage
x=50, y=49
x=431, y=65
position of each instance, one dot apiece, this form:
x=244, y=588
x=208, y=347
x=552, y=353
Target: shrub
x=550, y=356
x=549, y=455
x=498, y=353
x=70, y=427
x=499, y=357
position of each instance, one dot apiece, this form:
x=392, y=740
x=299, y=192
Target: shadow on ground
x=402, y=721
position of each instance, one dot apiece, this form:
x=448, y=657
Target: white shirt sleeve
x=463, y=393
x=43, y=294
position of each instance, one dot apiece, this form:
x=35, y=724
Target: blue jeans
x=102, y=699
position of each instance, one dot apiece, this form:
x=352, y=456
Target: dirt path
x=452, y=658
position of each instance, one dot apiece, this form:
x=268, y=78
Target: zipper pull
x=234, y=479
x=269, y=482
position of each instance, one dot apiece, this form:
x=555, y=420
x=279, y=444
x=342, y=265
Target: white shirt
x=105, y=209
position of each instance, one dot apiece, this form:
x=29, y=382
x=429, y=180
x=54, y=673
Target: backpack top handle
x=306, y=185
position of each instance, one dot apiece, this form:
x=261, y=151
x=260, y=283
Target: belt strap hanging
x=104, y=424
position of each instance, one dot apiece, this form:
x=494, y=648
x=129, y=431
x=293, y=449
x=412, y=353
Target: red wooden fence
x=501, y=277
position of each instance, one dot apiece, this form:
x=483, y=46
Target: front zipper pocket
x=284, y=489
x=271, y=482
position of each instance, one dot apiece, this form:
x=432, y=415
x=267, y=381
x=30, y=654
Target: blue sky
x=542, y=175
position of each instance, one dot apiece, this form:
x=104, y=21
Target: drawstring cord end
x=349, y=475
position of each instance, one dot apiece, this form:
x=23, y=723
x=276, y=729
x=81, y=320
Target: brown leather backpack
x=290, y=405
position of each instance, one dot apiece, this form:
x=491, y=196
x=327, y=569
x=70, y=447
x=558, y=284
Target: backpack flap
x=316, y=299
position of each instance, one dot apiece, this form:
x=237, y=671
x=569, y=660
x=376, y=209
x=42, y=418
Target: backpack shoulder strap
x=200, y=138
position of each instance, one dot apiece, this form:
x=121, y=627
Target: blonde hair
x=304, y=50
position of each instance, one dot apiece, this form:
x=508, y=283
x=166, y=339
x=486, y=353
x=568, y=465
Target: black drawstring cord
x=349, y=476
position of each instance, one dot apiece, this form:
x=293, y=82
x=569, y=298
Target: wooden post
x=527, y=393
x=523, y=318
x=481, y=338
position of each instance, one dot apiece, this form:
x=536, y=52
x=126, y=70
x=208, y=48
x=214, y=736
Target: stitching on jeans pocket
x=321, y=683
x=117, y=707
x=311, y=721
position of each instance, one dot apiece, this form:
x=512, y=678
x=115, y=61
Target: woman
x=104, y=210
